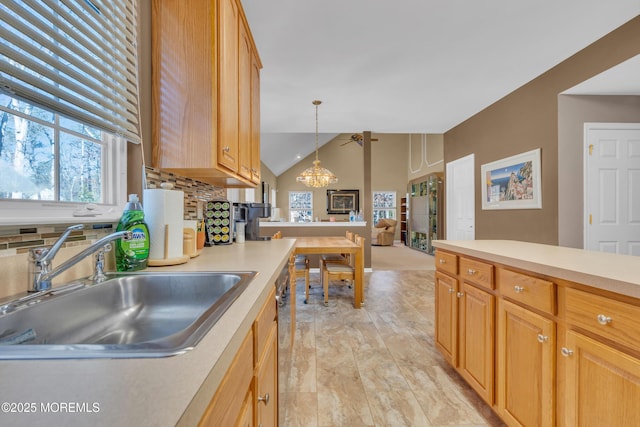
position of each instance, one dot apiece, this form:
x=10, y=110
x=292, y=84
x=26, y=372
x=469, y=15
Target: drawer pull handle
x=542, y=338
x=442, y=261
x=471, y=272
x=460, y=294
x=604, y=320
x=566, y=352
x=518, y=289
x=264, y=399
x=451, y=291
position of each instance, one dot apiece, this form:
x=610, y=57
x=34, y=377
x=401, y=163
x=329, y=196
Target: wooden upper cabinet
x=255, y=118
x=228, y=84
x=202, y=91
x=184, y=86
x=245, y=55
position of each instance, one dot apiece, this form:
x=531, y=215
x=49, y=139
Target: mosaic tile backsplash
x=18, y=239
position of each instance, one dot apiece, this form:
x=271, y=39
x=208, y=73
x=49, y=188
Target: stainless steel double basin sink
x=129, y=315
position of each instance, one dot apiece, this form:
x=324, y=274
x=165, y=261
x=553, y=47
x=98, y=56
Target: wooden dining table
x=336, y=245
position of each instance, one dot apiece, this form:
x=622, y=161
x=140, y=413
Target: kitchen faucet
x=41, y=270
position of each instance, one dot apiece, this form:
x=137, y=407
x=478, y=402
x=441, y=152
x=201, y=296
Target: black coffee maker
x=250, y=213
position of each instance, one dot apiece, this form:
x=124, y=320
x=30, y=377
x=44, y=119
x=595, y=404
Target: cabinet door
x=255, y=119
x=245, y=56
x=267, y=383
x=226, y=407
x=246, y=414
x=526, y=366
x=602, y=384
x=447, y=317
x=476, y=340
x=228, y=85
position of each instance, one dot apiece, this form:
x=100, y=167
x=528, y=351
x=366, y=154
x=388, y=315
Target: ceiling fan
x=357, y=138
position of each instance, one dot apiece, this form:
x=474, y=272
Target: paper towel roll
x=164, y=215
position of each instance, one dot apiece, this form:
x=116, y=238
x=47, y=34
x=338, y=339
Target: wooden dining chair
x=341, y=271
x=301, y=264
x=341, y=258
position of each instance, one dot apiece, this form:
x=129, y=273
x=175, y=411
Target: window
x=300, y=206
x=384, y=205
x=68, y=101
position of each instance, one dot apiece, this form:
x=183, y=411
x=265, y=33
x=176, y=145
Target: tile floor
x=377, y=366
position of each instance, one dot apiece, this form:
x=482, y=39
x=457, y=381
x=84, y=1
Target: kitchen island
x=147, y=391
x=546, y=335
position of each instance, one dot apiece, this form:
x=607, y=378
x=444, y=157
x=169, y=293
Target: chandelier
x=316, y=176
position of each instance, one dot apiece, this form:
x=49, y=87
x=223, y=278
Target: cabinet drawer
x=615, y=320
x=528, y=290
x=263, y=323
x=446, y=262
x=477, y=272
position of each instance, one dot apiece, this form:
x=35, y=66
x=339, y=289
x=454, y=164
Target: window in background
x=384, y=205
x=300, y=206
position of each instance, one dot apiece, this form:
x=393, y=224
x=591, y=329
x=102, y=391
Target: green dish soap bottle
x=132, y=254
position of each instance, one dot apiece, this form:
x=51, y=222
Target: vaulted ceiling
x=406, y=66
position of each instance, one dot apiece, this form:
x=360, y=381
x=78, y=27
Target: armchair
x=384, y=232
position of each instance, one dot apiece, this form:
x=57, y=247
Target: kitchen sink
x=128, y=315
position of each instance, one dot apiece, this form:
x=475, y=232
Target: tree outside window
x=384, y=205
x=44, y=156
x=300, y=206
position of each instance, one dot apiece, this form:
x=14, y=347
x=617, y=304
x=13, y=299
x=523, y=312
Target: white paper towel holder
x=166, y=260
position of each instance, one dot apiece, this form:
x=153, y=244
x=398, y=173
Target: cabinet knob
x=471, y=272
x=566, y=352
x=226, y=149
x=603, y=320
x=264, y=399
x=442, y=261
x=518, y=289
x=459, y=294
x=451, y=290
x=542, y=338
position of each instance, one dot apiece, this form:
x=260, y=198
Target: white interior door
x=460, y=183
x=612, y=187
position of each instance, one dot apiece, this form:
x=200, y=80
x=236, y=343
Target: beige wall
x=573, y=112
x=389, y=166
x=527, y=119
x=346, y=162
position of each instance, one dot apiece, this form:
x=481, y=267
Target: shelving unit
x=425, y=204
x=403, y=220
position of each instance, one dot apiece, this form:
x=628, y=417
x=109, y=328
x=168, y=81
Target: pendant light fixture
x=317, y=176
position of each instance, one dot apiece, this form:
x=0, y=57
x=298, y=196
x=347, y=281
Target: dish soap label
x=132, y=254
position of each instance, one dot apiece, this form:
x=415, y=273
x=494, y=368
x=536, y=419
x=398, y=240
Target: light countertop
x=611, y=272
x=150, y=391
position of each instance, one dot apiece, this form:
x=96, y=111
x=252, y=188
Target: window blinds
x=74, y=57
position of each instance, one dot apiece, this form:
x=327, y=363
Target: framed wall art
x=512, y=182
x=342, y=201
